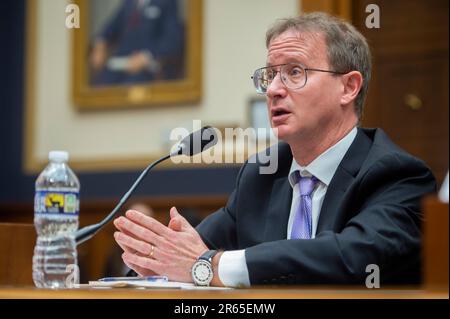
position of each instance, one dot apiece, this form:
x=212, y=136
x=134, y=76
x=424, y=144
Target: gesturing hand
x=152, y=248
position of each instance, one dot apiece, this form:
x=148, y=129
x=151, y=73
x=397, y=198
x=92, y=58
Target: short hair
x=347, y=48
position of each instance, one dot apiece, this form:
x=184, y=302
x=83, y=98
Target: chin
x=282, y=132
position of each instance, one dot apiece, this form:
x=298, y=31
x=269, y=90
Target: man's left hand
x=169, y=251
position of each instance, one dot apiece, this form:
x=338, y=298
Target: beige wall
x=233, y=46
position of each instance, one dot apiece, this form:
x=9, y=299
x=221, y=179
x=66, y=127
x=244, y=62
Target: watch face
x=202, y=273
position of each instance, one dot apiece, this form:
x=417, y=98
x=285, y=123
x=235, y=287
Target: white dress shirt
x=233, y=271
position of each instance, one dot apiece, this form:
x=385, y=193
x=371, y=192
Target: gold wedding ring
x=151, y=251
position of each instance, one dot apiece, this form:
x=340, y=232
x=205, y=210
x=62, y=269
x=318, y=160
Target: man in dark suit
x=143, y=41
x=343, y=199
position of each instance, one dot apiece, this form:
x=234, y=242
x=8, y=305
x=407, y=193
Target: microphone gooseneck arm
x=89, y=231
x=194, y=143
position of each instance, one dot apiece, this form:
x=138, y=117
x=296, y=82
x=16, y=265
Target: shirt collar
x=326, y=164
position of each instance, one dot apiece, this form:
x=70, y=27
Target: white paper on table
x=149, y=284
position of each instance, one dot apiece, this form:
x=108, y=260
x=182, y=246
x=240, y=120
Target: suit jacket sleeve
x=218, y=231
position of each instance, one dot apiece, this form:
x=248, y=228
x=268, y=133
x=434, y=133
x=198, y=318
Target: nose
x=276, y=88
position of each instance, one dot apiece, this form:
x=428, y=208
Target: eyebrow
x=289, y=62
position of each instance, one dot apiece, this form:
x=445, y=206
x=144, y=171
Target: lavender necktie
x=302, y=225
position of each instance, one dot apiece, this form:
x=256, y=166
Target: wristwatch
x=202, y=271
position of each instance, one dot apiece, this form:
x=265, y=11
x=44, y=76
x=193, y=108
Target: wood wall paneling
x=408, y=94
x=435, y=245
x=16, y=252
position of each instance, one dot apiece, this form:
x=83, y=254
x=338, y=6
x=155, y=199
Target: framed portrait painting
x=130, y=53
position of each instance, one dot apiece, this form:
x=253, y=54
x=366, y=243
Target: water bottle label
x=48, y=202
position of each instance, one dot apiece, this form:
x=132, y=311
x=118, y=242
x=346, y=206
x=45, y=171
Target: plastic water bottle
x=56, y=208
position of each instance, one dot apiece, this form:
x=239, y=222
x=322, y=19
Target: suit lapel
x=341, y=181
x=278, y=210
x=335, y=193
x=280, y=197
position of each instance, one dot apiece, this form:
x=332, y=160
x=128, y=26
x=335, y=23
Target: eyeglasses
x=293, y=76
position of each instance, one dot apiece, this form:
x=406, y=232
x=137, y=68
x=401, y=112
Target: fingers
x=135, y=230
x=137, y=237
x=129, y=244
x=177, y=221
x=174, y=212
x=148, y=222
x=143, y=262
x=175, y=224
x=139, y=270
x=124, y=247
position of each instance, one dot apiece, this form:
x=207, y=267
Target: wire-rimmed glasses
x=293, y=75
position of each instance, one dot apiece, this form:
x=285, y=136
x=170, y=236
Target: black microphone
x=194, y=143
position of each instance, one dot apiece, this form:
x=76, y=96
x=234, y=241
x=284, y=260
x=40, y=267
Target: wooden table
x=254, y=293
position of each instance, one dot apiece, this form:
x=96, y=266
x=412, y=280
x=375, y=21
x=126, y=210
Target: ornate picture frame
x=186, y=88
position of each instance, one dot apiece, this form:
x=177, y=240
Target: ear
x=352, y=83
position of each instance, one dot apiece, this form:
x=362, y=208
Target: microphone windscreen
x=198, y=141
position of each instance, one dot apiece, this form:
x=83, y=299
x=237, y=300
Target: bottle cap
x=58, y=156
